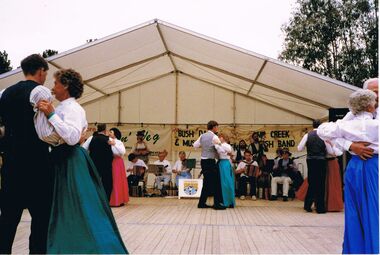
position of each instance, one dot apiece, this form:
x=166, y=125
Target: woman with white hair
x=361, y=191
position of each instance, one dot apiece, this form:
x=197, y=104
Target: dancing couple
x=218, y=178
x=61, y=189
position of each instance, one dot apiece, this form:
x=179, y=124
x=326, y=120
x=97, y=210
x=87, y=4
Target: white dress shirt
x=179, y=167
x=166, y=165
x=301, y=146
x=69, y=121
x=215, y=140
x=118, y=149
x=44, y=129
x=362, y=128
x=139, y=163
x=223, y=150
x=243, y=165
x=350, y=116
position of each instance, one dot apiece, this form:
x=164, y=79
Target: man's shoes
x=285, y=199
x=321, y=212
x=219, y=207
x=308, y=209
x=254, y=198
x=231, y=206
x=273, y=198
x=204, y=206
x=242, y=197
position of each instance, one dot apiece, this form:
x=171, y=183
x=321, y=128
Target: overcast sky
x=32, y=26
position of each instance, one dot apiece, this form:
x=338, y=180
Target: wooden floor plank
x=172, y=226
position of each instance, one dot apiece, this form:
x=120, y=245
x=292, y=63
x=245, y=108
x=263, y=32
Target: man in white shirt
x=180, y=168
x=316, y=168
x=166, y=174
x=26, y=173
x=211, y=180
x=135, y=170
x=247, y=177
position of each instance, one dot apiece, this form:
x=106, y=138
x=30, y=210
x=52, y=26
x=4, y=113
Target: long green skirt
x=81, y=220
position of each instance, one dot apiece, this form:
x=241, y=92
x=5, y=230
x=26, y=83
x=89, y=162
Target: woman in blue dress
x=81, y=220
x=361, y=190
x=226, y=171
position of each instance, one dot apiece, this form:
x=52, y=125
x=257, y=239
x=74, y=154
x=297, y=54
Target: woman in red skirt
x=119, y=194
x=334, y=198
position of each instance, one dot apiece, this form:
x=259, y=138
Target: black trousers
x=243, y=180
x=20, y=191
x=105, y=173
x=316, y=175
x=211, y=182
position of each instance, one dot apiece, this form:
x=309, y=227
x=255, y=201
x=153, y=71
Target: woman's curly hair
x=71, y=79
x=360, y=100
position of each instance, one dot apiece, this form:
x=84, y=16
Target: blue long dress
x=227, y=182
x=361, y=192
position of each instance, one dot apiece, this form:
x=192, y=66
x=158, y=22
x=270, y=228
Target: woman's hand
x=111, y=142
x=45, y=106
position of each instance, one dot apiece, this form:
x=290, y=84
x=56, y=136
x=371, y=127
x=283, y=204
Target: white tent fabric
x=158, y=73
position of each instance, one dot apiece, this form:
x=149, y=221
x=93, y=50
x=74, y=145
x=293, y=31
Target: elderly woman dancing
x=81, y=220
x=361, y=190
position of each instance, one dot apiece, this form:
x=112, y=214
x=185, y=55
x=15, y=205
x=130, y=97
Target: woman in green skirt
x=81, y=220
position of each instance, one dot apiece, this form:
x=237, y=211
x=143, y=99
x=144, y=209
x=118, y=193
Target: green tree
x=49, y=53
x=5, y=63
x=337, y=38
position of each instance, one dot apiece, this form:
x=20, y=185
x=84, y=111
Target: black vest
x=17, y=116
x=101, y=154
x=21, y=144
x=316, y=148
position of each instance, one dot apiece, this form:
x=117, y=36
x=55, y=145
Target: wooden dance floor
x=169, y=225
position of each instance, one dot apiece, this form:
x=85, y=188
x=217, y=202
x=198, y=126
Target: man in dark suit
x=101, y=154
x=26, y=172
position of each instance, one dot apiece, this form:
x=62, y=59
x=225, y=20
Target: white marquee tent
x=158, y=73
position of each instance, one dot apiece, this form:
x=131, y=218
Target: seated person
x=279, y=153
x=136, y=169
x=247, y=169
x=239, y=152
x=166, y=175
x=180, y=168
x=281, y=174
x=263, y=181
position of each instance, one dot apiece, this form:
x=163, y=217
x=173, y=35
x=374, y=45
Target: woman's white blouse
x=118, y=149
x=223, y=150
x=69, y=121
x=362, y=128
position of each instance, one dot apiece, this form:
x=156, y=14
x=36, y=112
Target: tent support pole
x=257, y=76
x=234, y=108
x=166, y=46
x=119, y=109
x=176, y=99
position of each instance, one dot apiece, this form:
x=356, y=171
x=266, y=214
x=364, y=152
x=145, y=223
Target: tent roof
x=157, y=49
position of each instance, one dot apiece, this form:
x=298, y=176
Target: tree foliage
x=5, y=63
x=337, y=38
x=48, y=53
